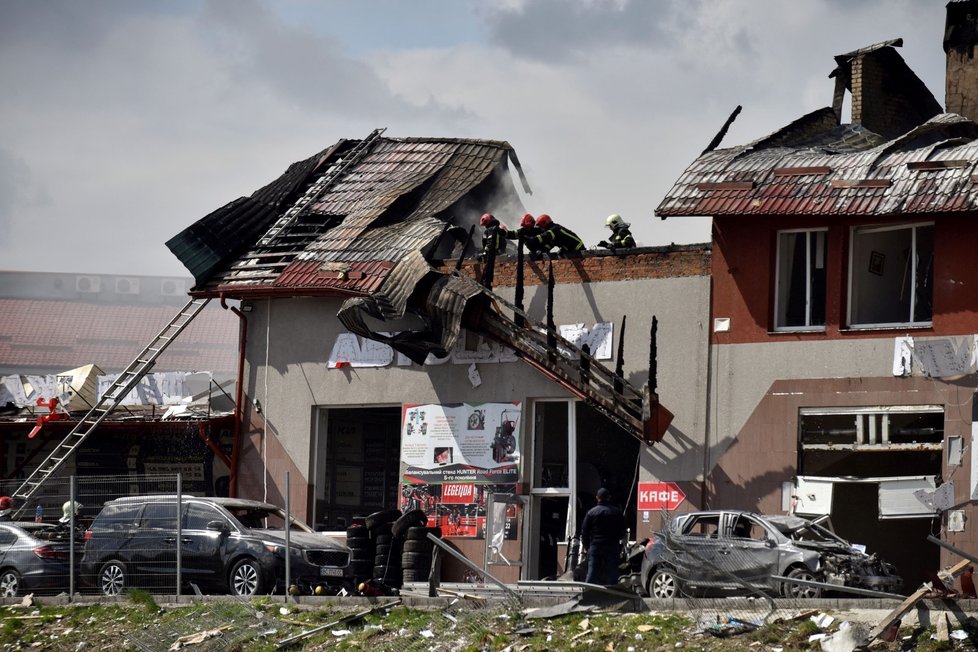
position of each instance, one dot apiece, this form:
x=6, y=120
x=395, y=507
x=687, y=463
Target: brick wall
x=674, y=261
x=961, y=90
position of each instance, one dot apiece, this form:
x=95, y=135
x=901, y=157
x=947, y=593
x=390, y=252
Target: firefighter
x=528, y=231
x=493, y=236
x=6, y=508
x=621, y=237
x=554, y=235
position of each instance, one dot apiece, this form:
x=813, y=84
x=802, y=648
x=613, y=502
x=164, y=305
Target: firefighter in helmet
x=6, y=508
x=621, y=237
x=528, y=231
x=554, y=235
x=494, y=236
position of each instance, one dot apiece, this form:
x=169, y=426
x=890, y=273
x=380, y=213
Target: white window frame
x=808, y=326
x=913, y=275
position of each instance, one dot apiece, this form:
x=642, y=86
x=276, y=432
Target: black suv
x=226, y=545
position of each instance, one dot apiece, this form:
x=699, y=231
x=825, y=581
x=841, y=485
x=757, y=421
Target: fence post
x=72, y=496
x=288, y=537
x=179, y=533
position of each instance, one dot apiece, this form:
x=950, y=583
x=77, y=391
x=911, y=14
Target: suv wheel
x=663, y=584
x=246, y=578
x=9, y=583
x=112, y=578
x=790, y=590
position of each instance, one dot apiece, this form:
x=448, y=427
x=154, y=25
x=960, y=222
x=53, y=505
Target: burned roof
x=339, y=221
x=817, y=165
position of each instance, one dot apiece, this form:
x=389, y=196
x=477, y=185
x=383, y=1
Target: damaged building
x=379, y=373
x=844, y=313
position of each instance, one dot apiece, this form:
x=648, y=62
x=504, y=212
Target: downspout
x=238, y=396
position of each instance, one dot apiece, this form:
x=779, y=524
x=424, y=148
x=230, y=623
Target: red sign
x=654, y=496
x=458, y=493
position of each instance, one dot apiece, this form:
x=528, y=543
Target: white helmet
x=66, y=510
x=614, y=221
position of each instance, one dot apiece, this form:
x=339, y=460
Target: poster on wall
x=458, y=508
x=460, y=442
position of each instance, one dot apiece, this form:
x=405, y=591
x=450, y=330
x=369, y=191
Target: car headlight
x=273, y=548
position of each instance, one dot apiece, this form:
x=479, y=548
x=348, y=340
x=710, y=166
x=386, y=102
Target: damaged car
x=737, y=552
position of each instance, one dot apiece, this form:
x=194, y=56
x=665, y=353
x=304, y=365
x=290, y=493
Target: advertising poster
x=460, y=442
x=453, y=456
x=458, y=508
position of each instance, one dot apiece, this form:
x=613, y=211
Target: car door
x=748, y=550
x=693, y=553
x=203, y=551
x=153, y=546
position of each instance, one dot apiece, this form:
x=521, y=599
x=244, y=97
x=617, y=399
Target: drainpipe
x=238, y=412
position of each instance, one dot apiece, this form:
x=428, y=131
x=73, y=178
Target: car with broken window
x=34, y=558
x=739, y=552
x=227, y=545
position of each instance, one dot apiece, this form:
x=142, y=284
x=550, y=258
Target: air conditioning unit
x=127, y=285
x=173, y=288
x=91, y=284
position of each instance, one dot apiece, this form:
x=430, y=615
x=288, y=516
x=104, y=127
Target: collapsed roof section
x=361, y=220
x=878, y=165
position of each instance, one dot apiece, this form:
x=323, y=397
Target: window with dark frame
x=800, y=280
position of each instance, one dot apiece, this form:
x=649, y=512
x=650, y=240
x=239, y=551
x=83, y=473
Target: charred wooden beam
x=518, y=317
x=551, y=326
x=653, y=356
x=465, y=245
x=585, y=364
x=620, y=362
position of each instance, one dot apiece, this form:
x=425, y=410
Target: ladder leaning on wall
x=110, y=400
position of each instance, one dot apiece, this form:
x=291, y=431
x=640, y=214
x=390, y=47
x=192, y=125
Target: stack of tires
x=386, y=559
x=416, y=553
x=362, y=551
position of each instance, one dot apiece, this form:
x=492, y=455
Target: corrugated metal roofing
x=865, y=177
x=393, y=200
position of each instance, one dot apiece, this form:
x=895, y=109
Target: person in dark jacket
x=554, y=235
x=621, y=237
x=528, y=231
x=493, y=236
x=601, y=534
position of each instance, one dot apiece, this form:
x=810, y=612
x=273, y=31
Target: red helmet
x=543, y=221
x=6, y=502
x=486, y=219
x=527, y=221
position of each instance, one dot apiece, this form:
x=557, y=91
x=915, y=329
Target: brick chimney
x=960, y=41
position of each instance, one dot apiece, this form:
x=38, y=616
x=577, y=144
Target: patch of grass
x=143, y=600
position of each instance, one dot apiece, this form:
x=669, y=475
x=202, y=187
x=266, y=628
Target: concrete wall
x=289, y=341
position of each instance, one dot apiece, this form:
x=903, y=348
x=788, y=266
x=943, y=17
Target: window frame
x=850, y=304
x=808, y=326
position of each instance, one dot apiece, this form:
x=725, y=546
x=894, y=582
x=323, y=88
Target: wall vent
x=172, y=288
x=127, y=285
x=88, y=283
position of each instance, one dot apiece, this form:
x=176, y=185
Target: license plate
x=331, y=572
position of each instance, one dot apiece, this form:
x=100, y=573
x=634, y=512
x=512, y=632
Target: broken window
x=890, y=275
x=881, y=427
x=800, y=296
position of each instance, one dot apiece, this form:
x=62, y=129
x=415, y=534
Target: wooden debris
x=199, y=637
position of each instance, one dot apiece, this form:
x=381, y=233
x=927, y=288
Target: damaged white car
x=742, y=553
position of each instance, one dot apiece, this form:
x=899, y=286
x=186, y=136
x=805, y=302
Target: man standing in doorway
x=601, y=533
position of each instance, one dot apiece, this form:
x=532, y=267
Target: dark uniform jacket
x=621, y=238
x=529, y=235
x=494, y=237
x=603, y=527
x=561, y=237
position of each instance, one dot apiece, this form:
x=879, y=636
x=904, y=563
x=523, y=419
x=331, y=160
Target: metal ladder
x=114, y=395
x=315, y=190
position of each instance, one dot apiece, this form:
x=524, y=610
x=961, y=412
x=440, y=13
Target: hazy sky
x=124, y=121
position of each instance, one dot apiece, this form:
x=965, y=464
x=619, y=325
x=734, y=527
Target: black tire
x=383, y=550
x=799, y=590
x=392, y=560
x=415, y=560
x=113, y=578
x=357, y=554
x=412, y=575
x=383, y=539
x=10, y=583
x=362, y=569
x=422, y=532
x=663, y=584
x=245, y=579
x=360, y=544
x=418, y=545
x=357, y=533
x=414, y=518
x=382, y=517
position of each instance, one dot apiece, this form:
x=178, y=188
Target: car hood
x=301, y=539
x=828, y=547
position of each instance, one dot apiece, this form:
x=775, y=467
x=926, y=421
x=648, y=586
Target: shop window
x=890, y=276
x=894, y=427
x=800, y=297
